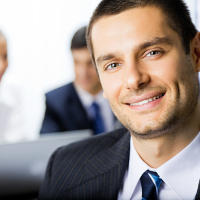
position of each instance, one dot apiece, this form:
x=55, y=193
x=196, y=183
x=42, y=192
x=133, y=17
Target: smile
x=147, y=100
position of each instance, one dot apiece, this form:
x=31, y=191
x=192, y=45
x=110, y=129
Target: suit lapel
x=76, y=112
x=107, y=169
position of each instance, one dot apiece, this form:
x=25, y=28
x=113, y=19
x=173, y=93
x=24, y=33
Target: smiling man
x=147, y=54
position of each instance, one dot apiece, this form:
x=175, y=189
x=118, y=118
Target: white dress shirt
x=21, y=110
x=87, y=99
x=11, y=117
x=180, y=174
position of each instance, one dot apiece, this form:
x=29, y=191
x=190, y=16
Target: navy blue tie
x=150, y=187
x=98, y=124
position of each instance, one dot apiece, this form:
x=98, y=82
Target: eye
x=153, y=53
x=113, y=65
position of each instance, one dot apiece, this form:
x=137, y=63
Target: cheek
x=166, y=72
x=79, y=70
x=4, y=65
x=112, y=87
x=76, y=69
x=93, y=73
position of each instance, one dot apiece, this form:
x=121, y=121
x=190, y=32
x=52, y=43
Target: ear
x=197, y=51
x=104, y=95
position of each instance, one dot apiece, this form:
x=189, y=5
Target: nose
x=135, y=76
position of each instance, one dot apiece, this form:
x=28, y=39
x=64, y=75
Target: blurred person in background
x=9, y=124
x=80, y=104
x=3, y=55
x=17, y=121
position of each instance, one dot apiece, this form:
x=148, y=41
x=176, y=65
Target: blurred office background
x=39, y=34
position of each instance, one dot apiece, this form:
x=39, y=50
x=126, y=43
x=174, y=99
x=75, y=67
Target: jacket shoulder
x=67, y=165
x=65, y=89
x=93, y=143
x=61, y=96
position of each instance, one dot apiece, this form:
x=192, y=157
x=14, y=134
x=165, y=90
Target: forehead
x=81, y=54
x=129, y=28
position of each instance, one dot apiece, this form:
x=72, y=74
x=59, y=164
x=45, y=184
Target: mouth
x=143, y=102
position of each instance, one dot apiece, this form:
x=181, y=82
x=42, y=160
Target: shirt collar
x=86, y=98
x=185, y=164
x=135, y=169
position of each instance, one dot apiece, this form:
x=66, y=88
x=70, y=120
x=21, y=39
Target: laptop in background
x=23, y=164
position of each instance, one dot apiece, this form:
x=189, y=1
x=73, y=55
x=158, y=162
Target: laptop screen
x=23, y=165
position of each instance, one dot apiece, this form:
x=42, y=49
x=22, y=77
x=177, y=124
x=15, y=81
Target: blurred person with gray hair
x=14, y=115
x=11, y=121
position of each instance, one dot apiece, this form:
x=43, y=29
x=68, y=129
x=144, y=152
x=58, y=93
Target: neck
x=156, y=151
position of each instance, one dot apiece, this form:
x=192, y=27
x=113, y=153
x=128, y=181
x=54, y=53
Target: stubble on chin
x=168, y=123
x=177, y=113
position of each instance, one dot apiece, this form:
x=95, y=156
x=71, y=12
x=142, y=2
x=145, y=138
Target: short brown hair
x=79, y=40
x=176, y=11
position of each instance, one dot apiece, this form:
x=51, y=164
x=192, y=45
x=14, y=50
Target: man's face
x=3, y=57
x=150, y=82
x=86, y=75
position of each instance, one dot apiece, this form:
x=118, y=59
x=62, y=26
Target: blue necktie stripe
x=157, y=180
x=149, y=189
x=98, y=124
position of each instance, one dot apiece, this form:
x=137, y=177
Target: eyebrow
x=107, y=57
x=154, y=41
x=157, y=40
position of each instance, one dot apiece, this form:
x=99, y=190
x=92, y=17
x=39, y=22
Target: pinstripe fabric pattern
x=90, y=169
x=197, y=197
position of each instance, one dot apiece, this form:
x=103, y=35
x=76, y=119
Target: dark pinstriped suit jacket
x=90, y=169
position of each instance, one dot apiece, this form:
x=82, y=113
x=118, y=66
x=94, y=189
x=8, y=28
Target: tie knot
x=152, y=173
x=150, y=182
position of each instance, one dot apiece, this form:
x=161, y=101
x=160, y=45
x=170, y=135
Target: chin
x=150, y=133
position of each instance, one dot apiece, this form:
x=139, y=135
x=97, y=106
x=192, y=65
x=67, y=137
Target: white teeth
x=146, y=101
